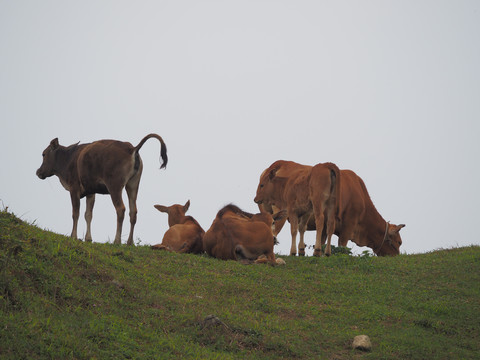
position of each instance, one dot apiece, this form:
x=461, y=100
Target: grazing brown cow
x=100, y=167
x=185, y=233
x=285, y=185
x=238, y=235
x=360, y=221
x=357, y=218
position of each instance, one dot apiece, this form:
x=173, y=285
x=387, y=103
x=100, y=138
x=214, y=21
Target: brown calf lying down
x=238, y=235
x=100, y=167
x=185, y=234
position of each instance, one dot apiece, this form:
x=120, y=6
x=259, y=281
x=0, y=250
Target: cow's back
x=356, y=209
x=97, y=162
x=231, y=230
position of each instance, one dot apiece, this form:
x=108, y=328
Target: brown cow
x=358, y=220
x=324, y=194
x=185, y=233
x=100, y=167
x=285, y=185
x=238, y=235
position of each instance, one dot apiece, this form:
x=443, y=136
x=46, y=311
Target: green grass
x=65, y=299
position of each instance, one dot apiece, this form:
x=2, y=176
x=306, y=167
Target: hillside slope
x=65, y=299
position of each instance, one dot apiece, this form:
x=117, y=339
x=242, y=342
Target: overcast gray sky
x=389, y=89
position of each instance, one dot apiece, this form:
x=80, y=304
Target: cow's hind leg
x=120, y=209
x=319, y=221
x=330, y=229
x=132, y=192
x=89, y=216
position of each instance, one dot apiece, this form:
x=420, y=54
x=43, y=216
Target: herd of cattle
x=321, y=198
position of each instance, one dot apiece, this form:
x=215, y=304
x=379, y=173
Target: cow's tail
x=335, y=187
x=163, y=150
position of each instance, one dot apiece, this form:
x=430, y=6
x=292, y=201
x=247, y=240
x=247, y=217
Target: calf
x=185, y=234
x=238, y=235
x=100, y=167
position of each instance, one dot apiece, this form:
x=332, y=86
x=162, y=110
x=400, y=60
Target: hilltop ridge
x=61, y=298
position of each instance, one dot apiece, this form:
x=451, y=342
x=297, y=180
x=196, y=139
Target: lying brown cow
x=358, y=220
x=185, y=233
x=238, y=235
x=100, y=167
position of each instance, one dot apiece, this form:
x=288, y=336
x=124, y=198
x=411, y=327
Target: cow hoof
x=317, y=252
x=293, y=254
x=301, y=252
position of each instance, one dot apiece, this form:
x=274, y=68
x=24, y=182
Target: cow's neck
x=65, y=165
x=373, y=228
x=279, y=200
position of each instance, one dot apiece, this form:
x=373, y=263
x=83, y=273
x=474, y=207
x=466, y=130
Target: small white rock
x=362, y=342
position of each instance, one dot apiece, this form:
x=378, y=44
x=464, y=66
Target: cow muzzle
x=41, y=175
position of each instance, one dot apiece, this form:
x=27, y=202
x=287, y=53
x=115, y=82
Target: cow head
x=176, y=212
x=266, y=187
x=47, y=168
x=392, y=241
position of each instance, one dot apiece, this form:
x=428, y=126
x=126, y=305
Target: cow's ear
x=54, y=144
x=161, y=208
x=280, y=215
x=186, y=206
x=394, y=229
x=272, y=174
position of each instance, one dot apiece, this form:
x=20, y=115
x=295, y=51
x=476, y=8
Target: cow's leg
x=132, y=191
x=293, y=230
x=75, y=213
x=319, y=222
x=89, y=215
x=330, y=229
x=120, y=208
x=302, y=227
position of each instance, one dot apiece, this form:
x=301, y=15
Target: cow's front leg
x=75, y=213
x=302, y=227
x=89, y=216
x=293, y=230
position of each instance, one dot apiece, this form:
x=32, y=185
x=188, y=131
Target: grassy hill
x=65, y=299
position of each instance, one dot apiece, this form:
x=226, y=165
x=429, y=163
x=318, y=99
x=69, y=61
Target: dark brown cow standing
x=100, y=167
x=185, y=234
x=238, y=235
x=357, y=218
